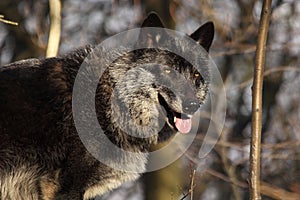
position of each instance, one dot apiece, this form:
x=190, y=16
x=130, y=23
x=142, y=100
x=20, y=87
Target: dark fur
x=41, y=155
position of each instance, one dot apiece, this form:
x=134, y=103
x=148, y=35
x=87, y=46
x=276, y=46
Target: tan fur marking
x=49, y=185
x=19, y=184
x=101, y=188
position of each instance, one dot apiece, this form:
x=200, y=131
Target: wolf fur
x=41, y=154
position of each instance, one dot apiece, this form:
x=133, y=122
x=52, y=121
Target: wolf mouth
x=178, y=121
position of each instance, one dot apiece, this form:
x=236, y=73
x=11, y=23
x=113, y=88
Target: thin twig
x=192, y=186
x=254, y=182
x=229, y=168
x=267, y=73
x=7, y=21
x=266, y=189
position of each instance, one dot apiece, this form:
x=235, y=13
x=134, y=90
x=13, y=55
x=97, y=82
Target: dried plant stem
x=254, y=185
x=55, y=28
x=7, y=21
x=192, y=184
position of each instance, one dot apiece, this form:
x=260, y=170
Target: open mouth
x=179, y=121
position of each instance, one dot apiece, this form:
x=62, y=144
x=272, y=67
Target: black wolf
x=41, y=154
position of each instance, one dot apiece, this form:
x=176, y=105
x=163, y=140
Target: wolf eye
x=198, y=79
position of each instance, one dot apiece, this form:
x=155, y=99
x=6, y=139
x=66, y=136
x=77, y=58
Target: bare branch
x=55, y=27
x=254, y=182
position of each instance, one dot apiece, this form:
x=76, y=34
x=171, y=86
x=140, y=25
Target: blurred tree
x=25, y=44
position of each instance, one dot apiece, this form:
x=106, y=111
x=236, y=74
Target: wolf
x=41, y=153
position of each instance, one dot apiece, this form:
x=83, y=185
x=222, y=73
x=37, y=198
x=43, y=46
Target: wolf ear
x=204, y=35
x=149, y=37
x=153, y=20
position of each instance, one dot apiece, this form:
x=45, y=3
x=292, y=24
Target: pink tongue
x=183, y=125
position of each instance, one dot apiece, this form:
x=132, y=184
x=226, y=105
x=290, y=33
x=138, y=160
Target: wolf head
x=155, y=91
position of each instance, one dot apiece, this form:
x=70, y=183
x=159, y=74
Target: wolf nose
x=190, y=106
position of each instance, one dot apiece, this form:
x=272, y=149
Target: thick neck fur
x=63, y=76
